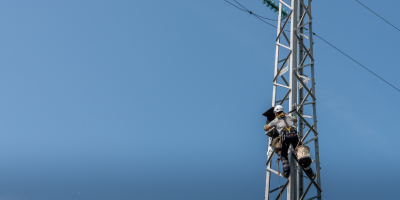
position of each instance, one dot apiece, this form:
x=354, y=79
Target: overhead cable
x=356, y=61
x=378, y=15
x=251, y=13
x=236, y=6
x=259, y=17
x=254, y=13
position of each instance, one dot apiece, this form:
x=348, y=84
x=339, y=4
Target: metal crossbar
x=304, y=86
x=305, y=48
x=280, y=69
x=271, y=191
x=314, y=197
x=302, y=17
x=284, y=98
x=305, y=136
x=306, y=9
x=301, y=67
x=308, y=188
x=283, y=28
x=286, y=37
x=284, y=80
x=306, y=123
x=275, y=172
x=283, y=189
x=304, y=100
x=304, y=59
x=315, y=137
x=270, y=158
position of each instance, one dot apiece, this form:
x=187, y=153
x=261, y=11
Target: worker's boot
x=286, y=174
x=309, y=171
x=286, y=167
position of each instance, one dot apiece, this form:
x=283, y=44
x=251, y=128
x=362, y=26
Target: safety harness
x=287, y=130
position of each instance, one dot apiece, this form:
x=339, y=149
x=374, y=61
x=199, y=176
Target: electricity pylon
x=294, y=88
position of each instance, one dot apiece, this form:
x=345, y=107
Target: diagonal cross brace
x=284, y=80
x=283, y=28
x=270, y=158
x=284, y=99
x=304, y=59
x=305, y=136
x=308, y=187
x=306, y=9
x=302, y=18
x=286, y=37
x=304, y=100
x=314, y=197
x=278, y=188
x=304, y=85
x=315, y=137
x=302, y=118
x=280, y=69
x=305, y=48
x=283, y=189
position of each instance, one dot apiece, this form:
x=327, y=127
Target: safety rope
x=279, y=177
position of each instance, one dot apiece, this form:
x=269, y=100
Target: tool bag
x=277, y=143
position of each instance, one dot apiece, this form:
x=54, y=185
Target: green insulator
x=284, y=11
x=271, y=3
x=276, y=7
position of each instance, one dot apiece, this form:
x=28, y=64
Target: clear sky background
x=163, y=99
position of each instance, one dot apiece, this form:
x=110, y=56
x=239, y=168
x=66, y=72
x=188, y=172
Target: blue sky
x=163, y=99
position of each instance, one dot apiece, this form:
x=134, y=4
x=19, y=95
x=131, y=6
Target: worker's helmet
x=278, y=108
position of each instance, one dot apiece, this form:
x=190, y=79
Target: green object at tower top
x=274, y=6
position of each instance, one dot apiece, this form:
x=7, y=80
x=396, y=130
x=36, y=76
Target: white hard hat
x=278, y=108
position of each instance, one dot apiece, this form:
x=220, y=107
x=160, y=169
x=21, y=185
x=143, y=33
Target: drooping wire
x=259, y=17
x=355, y=61
x=254, y=14
x=251, y=13
x=264, y=21
x=236, y=6
x=378, y=15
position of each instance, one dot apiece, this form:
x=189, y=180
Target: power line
x=251, y=13
x=264, y=20
x=378, y=15
x=236, y=6
x=356, y=61
x=259, y=17
x=254, y=13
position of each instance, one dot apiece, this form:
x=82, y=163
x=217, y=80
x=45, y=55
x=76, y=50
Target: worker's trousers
x=290, y=140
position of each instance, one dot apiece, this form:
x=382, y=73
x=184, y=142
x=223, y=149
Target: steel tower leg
x=292, y=190
x=301, y=97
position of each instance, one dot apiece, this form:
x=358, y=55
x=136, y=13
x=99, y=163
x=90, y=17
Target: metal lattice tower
x=294, y=88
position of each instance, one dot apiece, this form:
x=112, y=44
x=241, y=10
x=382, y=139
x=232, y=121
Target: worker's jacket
x=279, y=124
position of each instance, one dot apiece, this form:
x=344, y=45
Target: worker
x=280, y=122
